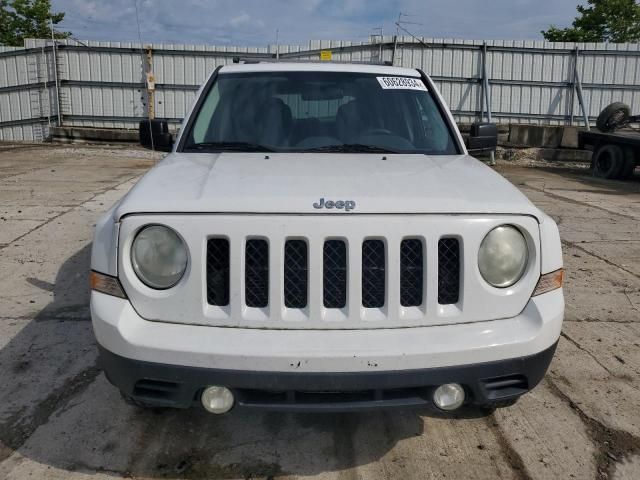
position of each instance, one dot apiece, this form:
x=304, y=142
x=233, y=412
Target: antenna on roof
x=400, y=23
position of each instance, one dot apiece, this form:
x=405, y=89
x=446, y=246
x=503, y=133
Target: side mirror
x=483, y=137
x=155, y=134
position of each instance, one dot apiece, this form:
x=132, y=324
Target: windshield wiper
x=350, y=148
x=229, y=146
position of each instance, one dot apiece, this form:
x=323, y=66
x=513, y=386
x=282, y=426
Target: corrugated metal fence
x=102, y=84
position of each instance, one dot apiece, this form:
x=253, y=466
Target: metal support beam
x=578, y=86
x=395, y=47
x=572, y=85
x=55, y=73
x=486, y=97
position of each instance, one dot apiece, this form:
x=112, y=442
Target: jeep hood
x=290, y=183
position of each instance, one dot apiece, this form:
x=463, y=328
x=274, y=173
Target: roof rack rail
x=254, y=60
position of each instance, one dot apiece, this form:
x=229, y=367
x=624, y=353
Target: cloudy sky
x=254, y=22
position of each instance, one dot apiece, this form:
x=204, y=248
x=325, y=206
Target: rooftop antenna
x=400, y=25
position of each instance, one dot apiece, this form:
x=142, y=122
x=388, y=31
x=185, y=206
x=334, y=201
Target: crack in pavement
x=93, y=469
x=597, y=320
x=3, y=246
x=605, y=260
x=612, y=445
x=624, y=378
x=576, y=202
x=580, y=347
x=15, y=431
x=514, y=459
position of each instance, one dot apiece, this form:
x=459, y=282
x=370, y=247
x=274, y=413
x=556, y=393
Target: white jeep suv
x=319, y=239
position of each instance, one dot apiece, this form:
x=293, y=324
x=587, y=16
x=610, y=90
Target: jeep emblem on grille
x=345, y=205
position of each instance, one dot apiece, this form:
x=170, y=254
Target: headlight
x=503, y=256
x=158, y=256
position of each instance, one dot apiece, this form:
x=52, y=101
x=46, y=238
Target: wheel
x=614, y=116
x=608, y=161
x=629, y=166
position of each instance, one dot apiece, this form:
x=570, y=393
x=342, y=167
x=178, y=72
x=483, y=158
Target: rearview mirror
x=154, y=134
x=483, y=137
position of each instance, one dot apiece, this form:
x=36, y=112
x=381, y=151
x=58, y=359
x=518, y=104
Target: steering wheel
x=376, y=131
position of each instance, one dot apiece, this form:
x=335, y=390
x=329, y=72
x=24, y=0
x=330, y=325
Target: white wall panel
x=102, y=82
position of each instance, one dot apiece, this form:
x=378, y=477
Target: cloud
x=254, y=22
x=240, y=20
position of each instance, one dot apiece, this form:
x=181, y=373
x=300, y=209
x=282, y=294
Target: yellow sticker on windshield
x=325, y=55
x=401, y=83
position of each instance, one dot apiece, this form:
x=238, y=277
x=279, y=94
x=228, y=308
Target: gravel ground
x=60, y=418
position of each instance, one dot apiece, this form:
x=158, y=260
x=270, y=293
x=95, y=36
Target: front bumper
x=163, y=385
x=311, y=369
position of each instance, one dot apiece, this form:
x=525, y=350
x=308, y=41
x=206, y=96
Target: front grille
x=408, y=265
x=448, y=271
x=334, y=282
x=256, y=273
x=296, y=274
x=373, y=273
x=218, y=271
x=411, y=273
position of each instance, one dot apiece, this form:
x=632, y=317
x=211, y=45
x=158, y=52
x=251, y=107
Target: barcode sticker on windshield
x=401, y=83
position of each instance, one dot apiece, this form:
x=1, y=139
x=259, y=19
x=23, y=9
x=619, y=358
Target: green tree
x=614, y=21
x=20, y=19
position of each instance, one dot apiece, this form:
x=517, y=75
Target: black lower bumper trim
x=487, y=383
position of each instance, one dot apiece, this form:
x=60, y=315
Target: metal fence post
x=45, y=86
x=55, y=73
x=572, y=84
x=485, y=81
x=487, y=94
x=395, y=46
x=483, y=57
x=578, y=87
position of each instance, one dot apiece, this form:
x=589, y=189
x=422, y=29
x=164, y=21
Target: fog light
x=217, y=399
x=449, y=396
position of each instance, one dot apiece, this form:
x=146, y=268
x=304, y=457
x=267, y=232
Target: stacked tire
x=614, y=162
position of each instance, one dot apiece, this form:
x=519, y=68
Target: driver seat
x=352, y=119
x=276, y=121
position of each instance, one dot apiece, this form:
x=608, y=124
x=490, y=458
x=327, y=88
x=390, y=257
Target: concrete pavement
x=60, y=418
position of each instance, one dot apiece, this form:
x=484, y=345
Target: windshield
x=319, y=112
